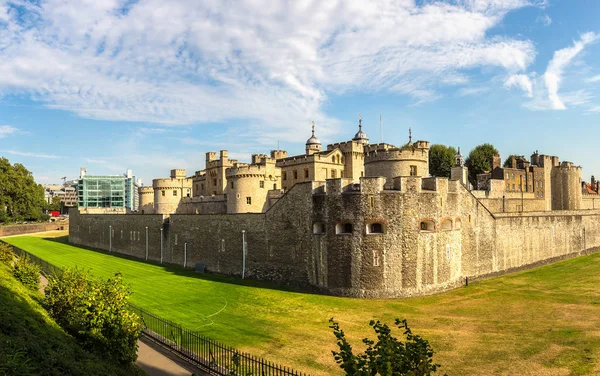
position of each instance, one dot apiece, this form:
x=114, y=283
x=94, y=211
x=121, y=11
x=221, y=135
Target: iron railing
x=203, y=352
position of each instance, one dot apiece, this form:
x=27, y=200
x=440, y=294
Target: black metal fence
x=211, y=356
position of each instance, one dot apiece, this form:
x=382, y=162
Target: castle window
x=413, y=170
x=249, y=200
x=513, y=187
x=163, y=193
x=513, y=175
x=306, y=173
x=196, y=187
x=507, y=176
x=333, y=173
x=447, y=225
x=231, y=185
x=375, y=228
x=202, y=186
x=261, y=183
x=427, y=225
x=457, y=224
x=215, y=182
x=508, y=187
x=284, y=176
x=343, y=228
x=174, y=192
x=295, y=174
x=333, y=159
x=318, y=228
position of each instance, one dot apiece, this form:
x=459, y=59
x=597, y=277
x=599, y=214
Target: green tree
x=20, y=197
x=95, y=312
x=386, y=357
x=441, y=160
x=55, y=204
x=508, y=161
x=480, y=160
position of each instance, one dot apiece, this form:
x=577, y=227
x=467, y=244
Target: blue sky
x=150, y=85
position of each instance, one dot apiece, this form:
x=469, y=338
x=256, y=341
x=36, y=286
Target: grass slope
x=539, y=322
x=31, y=343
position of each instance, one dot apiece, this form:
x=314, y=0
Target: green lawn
x=544, y=321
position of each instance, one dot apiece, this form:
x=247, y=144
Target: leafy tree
x=386, y=357
x=55, y=204
x=508, y=161
x=441, y=160
x=480, y=160
x=20, y=197
x=95, y=311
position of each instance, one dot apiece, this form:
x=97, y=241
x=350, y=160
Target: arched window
x=318, y=228
x=343, y=228
x=447, y=225
x=375, y=228
x=427, y=225
x=457, y=224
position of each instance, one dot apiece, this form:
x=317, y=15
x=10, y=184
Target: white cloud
x=33, y=155
x=595, y=109
x=464, y=92
x=520, y=81
x=545, y=19
x=6, y=130
x=594, y=79
x=268, y=62
x=560, y=60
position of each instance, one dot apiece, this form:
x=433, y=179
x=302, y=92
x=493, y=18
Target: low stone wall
x=32, y=228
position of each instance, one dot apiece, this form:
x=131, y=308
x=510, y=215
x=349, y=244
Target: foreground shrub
x=27, y=273
x=386, y=357
x=95, y=311
x=6, y=254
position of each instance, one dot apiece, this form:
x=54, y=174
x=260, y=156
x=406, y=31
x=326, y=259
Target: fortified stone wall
x=33, y=227
x=589, y=201
x=361, y=240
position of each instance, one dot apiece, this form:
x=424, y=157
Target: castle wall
x=434, y=233
x=590, y=201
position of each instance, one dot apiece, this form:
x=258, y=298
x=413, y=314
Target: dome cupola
x=361, y=136
x=313, y=145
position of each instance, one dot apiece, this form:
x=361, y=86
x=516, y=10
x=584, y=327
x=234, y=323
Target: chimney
x=513, y=162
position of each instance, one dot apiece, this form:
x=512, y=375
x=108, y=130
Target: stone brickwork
x=363, y=240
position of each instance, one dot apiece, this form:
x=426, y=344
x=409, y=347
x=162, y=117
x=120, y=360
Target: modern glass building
x=107, y=191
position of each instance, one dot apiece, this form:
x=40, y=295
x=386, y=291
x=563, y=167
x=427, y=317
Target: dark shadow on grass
x=208, y=276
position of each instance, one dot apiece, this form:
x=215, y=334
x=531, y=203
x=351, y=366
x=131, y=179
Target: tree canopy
x=441, y=160
x=507, y=161
x=20, y=197
x=480, y=160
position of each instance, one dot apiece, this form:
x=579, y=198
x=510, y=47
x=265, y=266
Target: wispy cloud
x=594, y=79
x=33, y=155
x=467, y=91
x=545, y=20
x=520, y=81
x=556, y=66
x=6, y=130
x=201, y=62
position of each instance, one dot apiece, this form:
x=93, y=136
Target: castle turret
x=361, y=136
x=313, y=145
x=248, y=185
x=168, y=192
x=390, y=161
x=460, y=171
x=146, y=200
x=566, y=187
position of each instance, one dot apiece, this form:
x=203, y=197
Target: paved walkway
x=153, y=359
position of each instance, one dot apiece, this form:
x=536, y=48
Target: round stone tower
x=390, y=161
x=313, y=145
x=566, y=187
x=146, y=200
x=168, y=192
x=248, y=186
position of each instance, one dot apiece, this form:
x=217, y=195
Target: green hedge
x=6, y=254
x=27, y=273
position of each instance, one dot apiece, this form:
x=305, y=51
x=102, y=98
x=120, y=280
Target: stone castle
x=356, y=219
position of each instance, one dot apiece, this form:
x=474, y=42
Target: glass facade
x=103, y=192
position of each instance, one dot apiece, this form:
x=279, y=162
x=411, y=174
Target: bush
x=95, y=311
x=6, y=254
x=387, y=356
x=27, y=273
